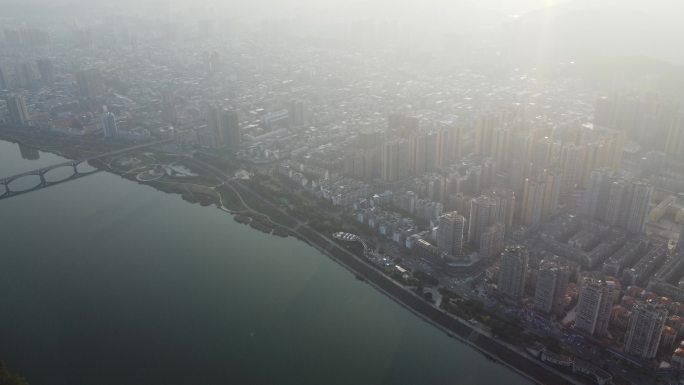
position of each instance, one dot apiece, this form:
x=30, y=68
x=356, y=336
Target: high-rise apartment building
x=450, y=233
x=3, y=80
x=572, y=166
x=230, y=125
x=393, y=160
x=451, y=144
x=521, y=160
x=542, y=152
x=553, y=182
x=638, y=208
x=17, y=111
x=215, y=130
x=645, y=328
x=532, y=202
x=46, y=70
x=505, y=206
x=483, y=213
x=619, y=194
x=169, y=112
x=224, y=128
x=297, y=113
x=492, y=241
x=417, y=158
x=552, y=281
x=110, y=128
x=617, y=200
x=595, y=303
x=596, y=195
x=540, y=197
x=501, y=147
x=644, y=117
x=513, y=271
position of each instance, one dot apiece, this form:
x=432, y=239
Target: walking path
x=481, y=340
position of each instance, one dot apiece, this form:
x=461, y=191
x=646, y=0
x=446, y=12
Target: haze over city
x=341, y=192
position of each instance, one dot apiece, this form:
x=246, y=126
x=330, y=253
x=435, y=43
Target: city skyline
x=510, y=172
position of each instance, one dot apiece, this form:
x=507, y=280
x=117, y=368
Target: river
x=105, y=281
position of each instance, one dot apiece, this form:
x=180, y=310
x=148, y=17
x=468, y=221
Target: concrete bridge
x=73, y=164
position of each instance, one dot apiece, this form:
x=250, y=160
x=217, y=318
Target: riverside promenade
x=528, y=367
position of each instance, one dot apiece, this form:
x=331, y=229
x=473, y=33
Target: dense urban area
x=530, y=215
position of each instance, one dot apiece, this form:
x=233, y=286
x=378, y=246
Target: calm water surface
x=104, y=281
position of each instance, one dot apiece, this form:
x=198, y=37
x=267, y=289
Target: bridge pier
x=7, y=189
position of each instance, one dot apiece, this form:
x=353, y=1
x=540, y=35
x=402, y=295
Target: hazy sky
x=238, y=6
x=593, y=27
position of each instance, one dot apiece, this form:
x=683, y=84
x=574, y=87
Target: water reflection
x=59, y=174
x=24, y=183
x=28, y=153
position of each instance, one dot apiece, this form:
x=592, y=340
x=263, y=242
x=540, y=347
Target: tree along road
x=522, y=364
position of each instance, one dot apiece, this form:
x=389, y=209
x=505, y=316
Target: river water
x=105, y=281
